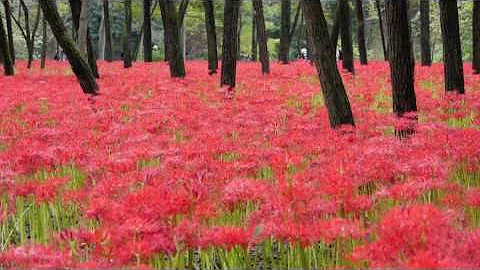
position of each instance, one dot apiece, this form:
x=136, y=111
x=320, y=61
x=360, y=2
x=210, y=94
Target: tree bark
x=108, y=32
x=476, y=37
x=262, y=36
x=382, y=34
x=174, y=53
x=44, y=43
x=400, y=57
x=5, y=51
x=334, y=94
x=346, y=33
x=147, y=31
x=452, y=51
x=83, y=28
x=335, y=33
x=362, y=49
x=127, y=30
x=425, y=32
x=101, y=37
x=8, y=21
x=79, y=65
x=284, y=32
x=211, y=36
x=254, y=37
x=230, y=32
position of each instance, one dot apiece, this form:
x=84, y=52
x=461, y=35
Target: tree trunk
x=211, y=36
x=230, y=32
x=346, y=33
x=362, y=49
x=44, y=43
x=5, y=51
x=147, y=31
x=79, y=66
x=8, y=20
x=400, y=57
x=425, y=32
x=284, y=32
x=336, y=27
x=127, y=30
x=101, y=38
x=239, y=30
x=174, y=53
x=254, y=37
x=83, y=28
x=262, y=36
x=81, y=33
x=108, y=32
x=476, y=37
x=334, y=94
x=382, y=34
x=452, y=51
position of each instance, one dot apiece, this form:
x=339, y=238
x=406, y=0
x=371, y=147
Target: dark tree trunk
x=284, y=32
x=147, y=31
x=335, y=96
x=76, y=9
x=254, y=38
x=400, y=57
x=362, y=49
x=346, y=33
x=425, y=32
x=108, y=32
x=127, y=30
x=452, y=51
x=476, y=37
x=8, y=21
x=174, y=53
x=5, y=51
x=335, y=33
x=211, y=36
x=295, y=23
x=262, y=36
x=79, y=66
x=44, y=43
x=229, y=59
x=382, y=34
x=165, y=36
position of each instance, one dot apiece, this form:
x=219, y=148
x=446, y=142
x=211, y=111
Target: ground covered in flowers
x=160, y=172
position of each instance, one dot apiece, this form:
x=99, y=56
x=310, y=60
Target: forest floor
x=175, y=173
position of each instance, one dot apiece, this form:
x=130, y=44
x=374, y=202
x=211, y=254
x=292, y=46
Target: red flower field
x=169, y=173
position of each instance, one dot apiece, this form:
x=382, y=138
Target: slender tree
x=284, y=31
x=476, y=37
x=5, y=51
x=211, y=36
x=27, y=31
x=425, y=32
x=127, y=30
x=400, y=57
x=362, y=48
x=334, y=94
x=172, y=36
x=346, y=33
x=262, y=36
x=254, y=37
x=452, y=51
x=382, y=34
x=43, y=55
x=79, y=65
x=147, y=31
x=230, y=28
x=108, y=32
x=8, y=21
x=335, y=33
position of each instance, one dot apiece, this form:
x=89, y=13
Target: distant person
x=339, y=55
x=304, y=53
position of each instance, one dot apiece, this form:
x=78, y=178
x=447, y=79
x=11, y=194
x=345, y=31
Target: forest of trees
x=397, y=31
